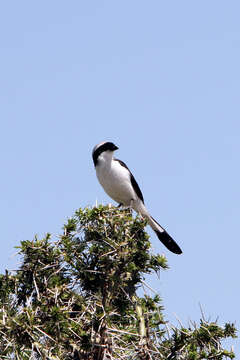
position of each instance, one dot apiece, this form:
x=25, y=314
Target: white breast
x=115, y=179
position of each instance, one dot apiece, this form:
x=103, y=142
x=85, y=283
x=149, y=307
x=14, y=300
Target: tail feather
x=164, y=237
x=161, y=233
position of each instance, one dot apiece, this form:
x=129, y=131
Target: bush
x=76, y=298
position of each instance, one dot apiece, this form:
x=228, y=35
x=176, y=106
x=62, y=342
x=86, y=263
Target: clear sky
x=161, y=79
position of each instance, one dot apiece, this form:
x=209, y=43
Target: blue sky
x=161, y=80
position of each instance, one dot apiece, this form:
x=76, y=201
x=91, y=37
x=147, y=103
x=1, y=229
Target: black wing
x=133, y=181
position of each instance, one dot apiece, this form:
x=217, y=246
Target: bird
x=120, y=184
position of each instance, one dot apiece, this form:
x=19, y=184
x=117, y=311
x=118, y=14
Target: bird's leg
x=120, y=205
x=130, y=207
x=126, y=207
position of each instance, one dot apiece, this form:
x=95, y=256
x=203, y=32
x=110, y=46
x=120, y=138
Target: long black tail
x=165, y=238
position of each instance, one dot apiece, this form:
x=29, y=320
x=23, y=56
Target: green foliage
x=76, y=298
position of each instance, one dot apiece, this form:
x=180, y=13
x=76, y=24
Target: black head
x=100, y=148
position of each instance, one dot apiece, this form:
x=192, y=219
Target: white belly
x=115, y=179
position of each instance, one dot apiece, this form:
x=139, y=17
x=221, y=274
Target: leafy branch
x=76, y=298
